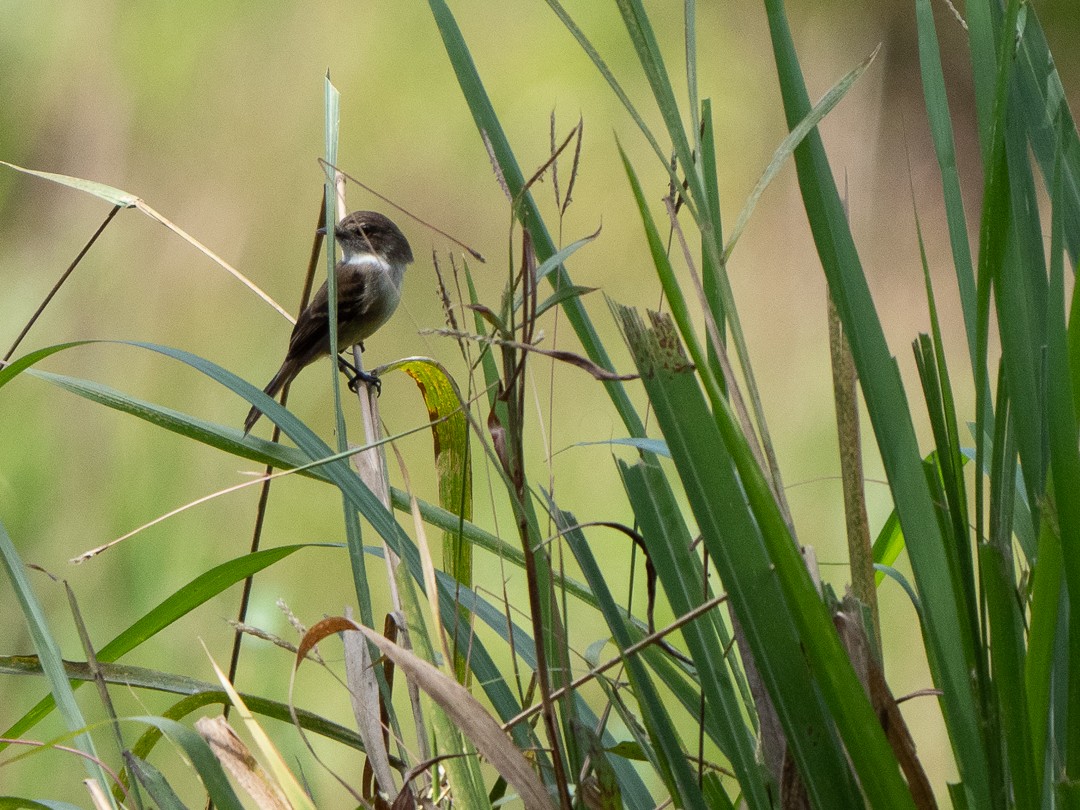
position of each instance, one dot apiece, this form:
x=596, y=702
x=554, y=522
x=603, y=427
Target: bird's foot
x=367, y=378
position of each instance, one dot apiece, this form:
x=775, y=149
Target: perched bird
x=369, y=276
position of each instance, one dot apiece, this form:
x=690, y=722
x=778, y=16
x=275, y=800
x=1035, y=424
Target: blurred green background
x=213, y=114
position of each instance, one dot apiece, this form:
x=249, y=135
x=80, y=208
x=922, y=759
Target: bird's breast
x=376, y=289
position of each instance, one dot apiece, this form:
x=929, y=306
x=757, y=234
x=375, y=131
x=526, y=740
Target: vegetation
x=768, y=688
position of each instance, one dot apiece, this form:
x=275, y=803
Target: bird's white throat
x=362, y=258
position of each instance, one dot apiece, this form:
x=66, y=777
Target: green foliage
x=763, y=690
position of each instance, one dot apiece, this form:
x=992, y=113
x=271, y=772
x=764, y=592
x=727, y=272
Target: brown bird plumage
x=375, y=253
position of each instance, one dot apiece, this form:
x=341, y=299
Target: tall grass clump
x=768, y=689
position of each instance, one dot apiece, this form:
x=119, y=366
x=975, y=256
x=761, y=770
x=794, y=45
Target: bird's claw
x=369, y=379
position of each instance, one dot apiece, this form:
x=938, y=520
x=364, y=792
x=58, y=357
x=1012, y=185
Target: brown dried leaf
x=238, y=761
x=473, y=720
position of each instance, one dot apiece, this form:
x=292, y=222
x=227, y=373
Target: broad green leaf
x=453, y=464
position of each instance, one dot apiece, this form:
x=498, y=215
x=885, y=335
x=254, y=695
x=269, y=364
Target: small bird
x=375, y=253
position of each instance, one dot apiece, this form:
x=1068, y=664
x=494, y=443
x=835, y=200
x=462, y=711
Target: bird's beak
x=321, y=231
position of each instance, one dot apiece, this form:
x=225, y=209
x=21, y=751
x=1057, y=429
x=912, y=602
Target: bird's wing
x=310, y=337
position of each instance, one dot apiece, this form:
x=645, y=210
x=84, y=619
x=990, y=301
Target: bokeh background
x=213, y=113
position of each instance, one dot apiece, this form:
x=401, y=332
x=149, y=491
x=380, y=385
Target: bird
x=374, y=255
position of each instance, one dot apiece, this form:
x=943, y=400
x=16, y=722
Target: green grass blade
x=1020, y=299
x=1050, y=124
x=681, y=575
x=1065, y=463
x=787, y=147
x=1045, y=624
x=888, y=544
x=648, y=50
x=941, y=131
x=952, y=649
x=155, y=784
x=551, y=264
x=353, y=533
x=1010, y=722
x=206, y=765
x=231, y=440
x=982, y=19
x=713, y=273
x=337, y=470
x=673, y=765
x=489, y=127
x=609, y=77
x=193, y=594
x=1004, y=216
x=950, y=455
x=111, y=195
x=945, y=467
x=787, y=626
x=690, y=46
x=49, y=654
x=198, y=694
x=17, y=802
x=945, y=478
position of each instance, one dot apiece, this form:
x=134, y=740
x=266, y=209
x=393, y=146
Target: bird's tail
x=285, y=374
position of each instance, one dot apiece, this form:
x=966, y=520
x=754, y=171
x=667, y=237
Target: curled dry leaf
x=240, y=764
x=460, y=706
